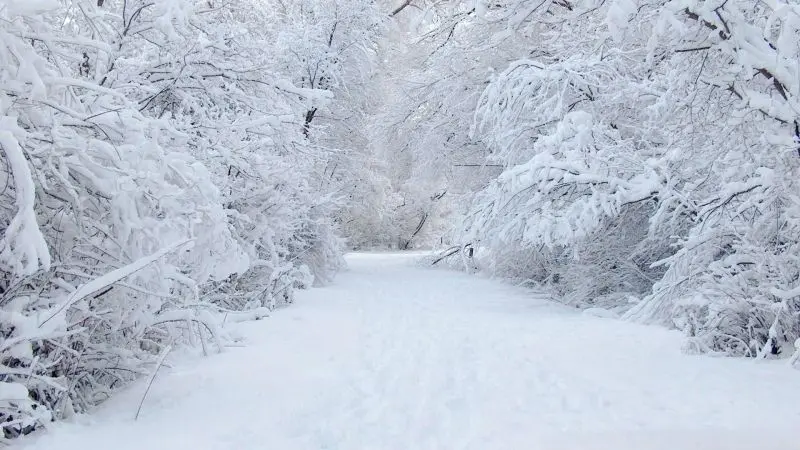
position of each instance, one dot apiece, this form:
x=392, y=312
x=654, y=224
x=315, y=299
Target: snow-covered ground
x=394, y=356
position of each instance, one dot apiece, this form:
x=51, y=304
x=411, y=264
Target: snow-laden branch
x=23, y=248
x=110, y=278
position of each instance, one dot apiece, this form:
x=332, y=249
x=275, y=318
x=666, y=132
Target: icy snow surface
x=394, y=356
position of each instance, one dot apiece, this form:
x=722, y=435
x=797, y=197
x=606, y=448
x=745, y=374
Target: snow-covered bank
x=393, y=356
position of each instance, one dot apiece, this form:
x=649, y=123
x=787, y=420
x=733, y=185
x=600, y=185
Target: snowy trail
x=393, y=356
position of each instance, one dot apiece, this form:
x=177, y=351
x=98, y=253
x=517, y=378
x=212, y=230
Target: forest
x=168, y=167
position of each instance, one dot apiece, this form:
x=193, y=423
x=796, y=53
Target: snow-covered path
x=394, y=356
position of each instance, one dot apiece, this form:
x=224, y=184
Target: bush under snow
x=649, y=149
x=156, y=178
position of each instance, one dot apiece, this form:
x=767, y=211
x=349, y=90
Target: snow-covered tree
x=431, y=76
x=334, y=46
x=650, y=155
x=157, y=172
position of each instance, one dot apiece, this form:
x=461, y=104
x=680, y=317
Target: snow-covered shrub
x=649, y=156
x=99, y=190
x=248, y=124
x=154, y=172
x=732, y=284
x=575, y=216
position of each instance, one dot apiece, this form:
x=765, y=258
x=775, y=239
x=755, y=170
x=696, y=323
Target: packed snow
x=396, y=356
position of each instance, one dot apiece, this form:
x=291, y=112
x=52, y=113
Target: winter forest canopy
x=172, y=166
